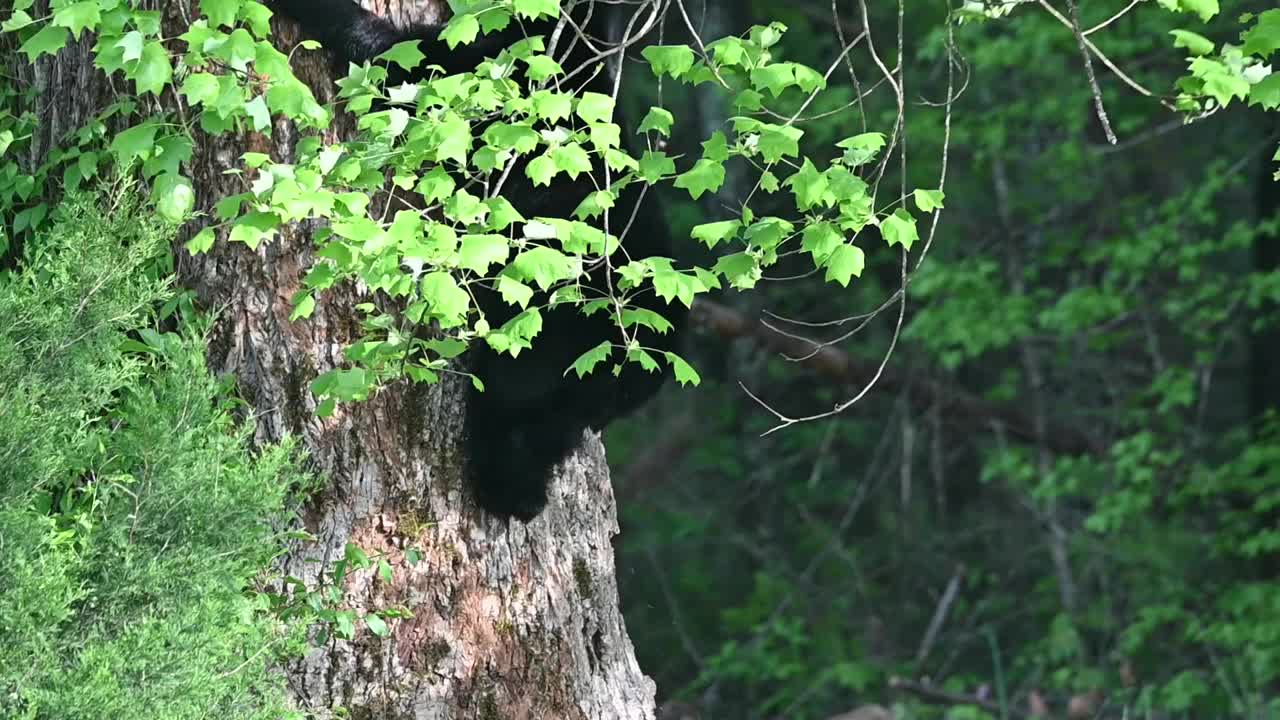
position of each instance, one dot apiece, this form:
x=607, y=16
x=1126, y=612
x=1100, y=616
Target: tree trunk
x=509, y=620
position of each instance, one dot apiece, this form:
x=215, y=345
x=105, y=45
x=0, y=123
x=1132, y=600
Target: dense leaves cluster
x=445, y=144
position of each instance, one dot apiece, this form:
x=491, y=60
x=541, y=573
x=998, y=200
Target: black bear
x=531, y=415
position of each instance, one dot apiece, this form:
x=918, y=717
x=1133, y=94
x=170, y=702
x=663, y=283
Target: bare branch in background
x=1088, y=71
x=1105, y=60
x=940, y=614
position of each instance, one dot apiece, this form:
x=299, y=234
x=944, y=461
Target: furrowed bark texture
x=509, y=620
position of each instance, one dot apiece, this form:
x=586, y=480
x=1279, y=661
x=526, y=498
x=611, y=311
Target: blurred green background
x=1063, y=493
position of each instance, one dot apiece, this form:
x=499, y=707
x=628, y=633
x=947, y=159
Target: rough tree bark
x=509, y=621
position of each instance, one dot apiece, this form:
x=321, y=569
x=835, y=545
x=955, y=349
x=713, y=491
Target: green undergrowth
x=135, y=525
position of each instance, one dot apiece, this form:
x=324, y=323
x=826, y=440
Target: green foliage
x=135, y=523
x=426, y=137
x=321, y=606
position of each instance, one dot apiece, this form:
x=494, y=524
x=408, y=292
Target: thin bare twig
x=1106, y=60
x=1113, y=18
x=841, y=367
x=896, y=81
x=1088, y=71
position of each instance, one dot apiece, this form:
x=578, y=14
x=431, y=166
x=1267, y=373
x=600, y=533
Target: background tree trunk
x=509, y=620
